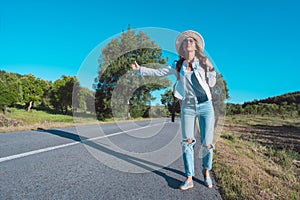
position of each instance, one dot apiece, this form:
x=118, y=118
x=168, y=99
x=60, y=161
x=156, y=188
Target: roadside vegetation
x=259, y=158
x=20, y=119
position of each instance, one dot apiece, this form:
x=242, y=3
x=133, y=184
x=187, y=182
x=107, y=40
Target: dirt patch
x=279, y=136
x=7, y=122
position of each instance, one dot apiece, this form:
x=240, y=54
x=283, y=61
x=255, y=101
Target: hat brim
x=189, y=33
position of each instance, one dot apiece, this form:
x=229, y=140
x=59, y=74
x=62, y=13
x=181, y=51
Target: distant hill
x=284, y=99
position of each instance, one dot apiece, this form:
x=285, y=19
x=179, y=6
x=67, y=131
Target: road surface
x=128, y=160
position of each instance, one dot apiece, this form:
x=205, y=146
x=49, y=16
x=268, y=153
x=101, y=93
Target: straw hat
x=189, y=33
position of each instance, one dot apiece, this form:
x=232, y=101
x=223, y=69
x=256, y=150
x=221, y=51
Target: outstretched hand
x=135, y=66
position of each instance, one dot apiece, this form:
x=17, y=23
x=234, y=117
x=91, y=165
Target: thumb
x=137, y=65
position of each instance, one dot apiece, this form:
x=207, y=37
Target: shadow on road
x=172, y=182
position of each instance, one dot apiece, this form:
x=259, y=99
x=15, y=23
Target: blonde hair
x=198, y=53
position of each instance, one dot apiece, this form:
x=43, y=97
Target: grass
x=248, y=166
x=41, y=119
x=35, y=116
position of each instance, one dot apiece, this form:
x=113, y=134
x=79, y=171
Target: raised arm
x=152, y=72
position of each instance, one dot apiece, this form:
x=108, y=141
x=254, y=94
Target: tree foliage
x=119, y=93
x=86, y=100
x=33, y=90
x=288, y=98
x=10, y=89
x=28, y=91
x=284, y=105
x=220, y=93
x=171, y=103
x=63, y=91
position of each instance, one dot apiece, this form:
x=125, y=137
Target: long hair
x=199, y=54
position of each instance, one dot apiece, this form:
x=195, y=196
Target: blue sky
x=255, y=44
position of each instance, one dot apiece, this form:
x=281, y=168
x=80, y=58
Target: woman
x=195, y=74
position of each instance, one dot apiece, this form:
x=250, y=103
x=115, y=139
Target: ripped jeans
x=205, y=113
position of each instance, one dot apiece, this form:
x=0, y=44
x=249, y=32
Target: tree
x=45, y=102
x=63, y=91
x=86, y=100
x=219, y=93
x=119, y=93
x=233, y=109
x=10, y=90
x=33, y=90
x=170, y=102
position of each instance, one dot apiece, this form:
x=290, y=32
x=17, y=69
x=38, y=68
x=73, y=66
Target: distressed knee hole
x=189, y=141
x=188, y=145
x=209, y=147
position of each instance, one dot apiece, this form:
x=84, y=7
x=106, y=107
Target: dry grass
x=254, y=162
x=35, y=119
x=44, y=125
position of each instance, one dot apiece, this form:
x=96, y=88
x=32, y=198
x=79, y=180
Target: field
x=258, y=158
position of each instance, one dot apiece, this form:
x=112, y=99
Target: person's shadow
x=172, y=182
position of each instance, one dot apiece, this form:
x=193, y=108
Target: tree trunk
x=66, y=110
x=5, y=110
x=128, y=111
x=29, y=106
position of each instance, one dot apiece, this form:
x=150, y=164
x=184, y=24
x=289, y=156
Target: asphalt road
x=129, y=160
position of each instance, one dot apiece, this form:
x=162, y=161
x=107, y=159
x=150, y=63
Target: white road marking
x=21, y=155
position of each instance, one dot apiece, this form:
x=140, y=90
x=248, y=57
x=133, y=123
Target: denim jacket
x=179, y=91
